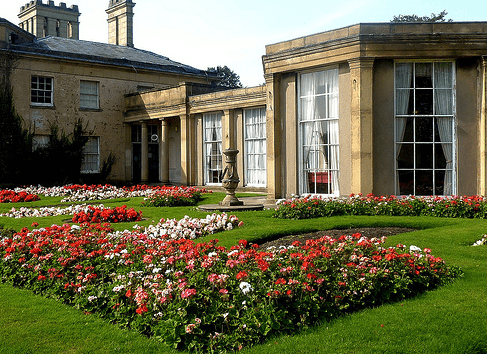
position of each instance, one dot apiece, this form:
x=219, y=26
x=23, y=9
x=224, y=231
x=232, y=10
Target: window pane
x=443, y=75
x=424, y=156
x=405, y=157
x=406, y=182
x=404, y=75
x=440, y=182
x=424, y=129
x=423, y=75
x=424, y=183
x=404, y=129
x=424, y=101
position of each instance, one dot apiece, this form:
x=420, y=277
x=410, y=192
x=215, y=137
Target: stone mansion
x=383, y=108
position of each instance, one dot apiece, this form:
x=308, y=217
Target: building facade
x=58, y=81
x=383, y=108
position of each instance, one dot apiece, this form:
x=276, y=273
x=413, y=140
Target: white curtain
x=308, y=89
x=404, y=73
x=444, y=106
x=319, y=129
x=255, y=147
x=334, y=157
x=213, y=145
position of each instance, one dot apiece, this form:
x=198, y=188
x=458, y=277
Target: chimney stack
x=120, y=22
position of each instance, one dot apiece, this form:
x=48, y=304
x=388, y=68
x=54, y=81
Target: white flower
x=413, y=248
x=245, y=287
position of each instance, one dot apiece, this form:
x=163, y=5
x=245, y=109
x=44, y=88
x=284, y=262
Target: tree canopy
x=227, y=77
x=415, y=18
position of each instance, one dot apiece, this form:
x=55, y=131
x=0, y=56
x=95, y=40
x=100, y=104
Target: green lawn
x=451, y=319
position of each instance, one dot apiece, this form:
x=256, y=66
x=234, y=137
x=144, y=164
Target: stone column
x=273, y=132
x=164, y=151
x=185, y=168
x=144, y=176
x=361, y=124
x=38, y=26
x=63, y=28
x=228, y=129
x=482, y=183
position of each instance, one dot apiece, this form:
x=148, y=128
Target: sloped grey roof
x=105, y=53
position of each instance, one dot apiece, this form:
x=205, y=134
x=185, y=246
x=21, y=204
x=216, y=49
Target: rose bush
x=317, y=206
x=204, y=297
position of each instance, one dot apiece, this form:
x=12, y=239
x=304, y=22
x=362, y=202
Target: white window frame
x=329, y=170
x=89, y=94
x=452, y=184
x=212, y=147
x=39, y=90
x=255, y=147
x=91, y=152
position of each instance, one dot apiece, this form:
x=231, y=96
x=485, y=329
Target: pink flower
x=186, y=293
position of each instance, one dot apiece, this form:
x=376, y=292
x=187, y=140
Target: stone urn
x=230, y=178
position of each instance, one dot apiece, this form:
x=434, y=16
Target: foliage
x=205, y=297
x=15, y=141
x=60, y=161
x=415, y=18
x=228, y=78
x=177, y=196
x=316, y=206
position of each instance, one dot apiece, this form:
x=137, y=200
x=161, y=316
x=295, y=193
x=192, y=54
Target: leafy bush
x=316, y=206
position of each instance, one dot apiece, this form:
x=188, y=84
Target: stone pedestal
x=230, y=178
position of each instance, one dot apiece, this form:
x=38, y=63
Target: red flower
x=141, y=309
x=242, y=275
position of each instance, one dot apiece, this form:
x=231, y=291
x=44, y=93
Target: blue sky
x=204, y=33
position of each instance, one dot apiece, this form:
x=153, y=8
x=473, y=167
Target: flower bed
x=316, y=206
x=80, y=193
x=9, y=196
x=100, y=214
x=174, y=197
x=204, y=297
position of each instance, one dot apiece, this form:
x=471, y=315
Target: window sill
x=90, y=109
x=39, y=106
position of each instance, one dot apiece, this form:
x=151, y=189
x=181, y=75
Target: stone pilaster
x=482, y=178
x=164, y=152
x=361, y=124
x=273, y=132
x=185, y=158
x=144, y=153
